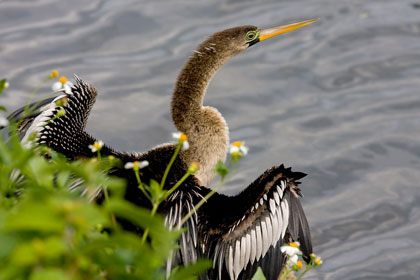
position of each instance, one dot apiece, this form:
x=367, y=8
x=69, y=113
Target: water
x=339, y=100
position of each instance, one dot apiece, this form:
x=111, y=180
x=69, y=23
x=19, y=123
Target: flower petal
x=129, y=165
x=176, y=135
x=92, y=148
x=67, y=88
x=143, y=164
x=233, y=149
x=57, y=86
x=100, y=143
x=244, y=150
x=185, y=145
x=293, y=259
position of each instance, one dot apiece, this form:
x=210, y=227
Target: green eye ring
x=252, y=35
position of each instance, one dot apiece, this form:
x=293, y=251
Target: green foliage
x=48, y=232
x=221, y=169
x=259, y=275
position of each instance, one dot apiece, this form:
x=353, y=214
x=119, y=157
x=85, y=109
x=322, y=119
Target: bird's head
x=232, y=41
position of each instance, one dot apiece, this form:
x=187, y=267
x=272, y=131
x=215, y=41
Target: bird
x=238, y=233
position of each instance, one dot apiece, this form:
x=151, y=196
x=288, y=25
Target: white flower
x=97, y=146
x=62, y=84
x=136, y=164
x=182, y=138
x=292, y=249
x=317, y=261
x=293, y=260
x=238, y=147
x=3, y=122
x=6, y=84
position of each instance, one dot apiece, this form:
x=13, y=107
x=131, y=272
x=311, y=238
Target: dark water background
x=339, y=100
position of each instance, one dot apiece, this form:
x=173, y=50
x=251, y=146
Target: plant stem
x=114, y=220
x=168, y=193
x=146, y=232
x=165, y=175
x=140, y=186
x=308, y=267
x=210, y=194
x=285, y=273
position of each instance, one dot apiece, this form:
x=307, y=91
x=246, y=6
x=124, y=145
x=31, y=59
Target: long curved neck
x=208, y=134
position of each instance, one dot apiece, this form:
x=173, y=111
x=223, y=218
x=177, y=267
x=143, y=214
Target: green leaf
x=156, y=191
x=259, y=275
x=49, y=274
x=191, y=271
x=221, y=169
x=35, y=215
x=2, y=108
x=140, y=216
x=7, y=244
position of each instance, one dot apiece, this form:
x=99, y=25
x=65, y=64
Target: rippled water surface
x=339, y=100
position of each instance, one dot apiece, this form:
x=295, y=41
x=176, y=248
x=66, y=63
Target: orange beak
x=274, y=31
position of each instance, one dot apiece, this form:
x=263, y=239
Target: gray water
x=339, y=100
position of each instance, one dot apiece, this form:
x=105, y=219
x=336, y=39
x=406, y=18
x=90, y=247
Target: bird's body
x=238, y=233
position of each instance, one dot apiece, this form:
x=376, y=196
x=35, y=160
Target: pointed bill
x=274, y=31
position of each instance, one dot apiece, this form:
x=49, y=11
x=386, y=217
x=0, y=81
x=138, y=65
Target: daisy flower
x=183, y=139
x=97, y=146
x=136, y=164
x=62, y=84
x=316, y=260
x=292, y=249
x=238, y=149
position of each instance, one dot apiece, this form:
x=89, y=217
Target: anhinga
x=239, y=233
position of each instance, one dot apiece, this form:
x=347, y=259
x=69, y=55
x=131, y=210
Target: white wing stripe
x=259, y=241
x=269, y=231
x=280, y=191
x=264, y=236
x=277, y=198
x=285, y=210
x=237, y=259
x=275, y=226
x=248, y=249
x=253, y=252
x=230, y=262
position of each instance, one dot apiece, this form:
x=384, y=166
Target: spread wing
x=244, y=232
x=182, y=202
x=63, y=133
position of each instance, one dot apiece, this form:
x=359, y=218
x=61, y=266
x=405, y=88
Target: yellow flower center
x=294, y=245
x=63, y=80
x=318, y=261
x=54, y=73
x=135, y=163
x=237, y=154
x=194, y=166
x=237, y=144
x=183, y=137
x=299, y=264
x=96, y=145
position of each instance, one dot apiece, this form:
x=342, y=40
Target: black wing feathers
x=247, y=231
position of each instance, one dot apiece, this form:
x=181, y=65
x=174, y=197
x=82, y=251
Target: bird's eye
x=251, y=35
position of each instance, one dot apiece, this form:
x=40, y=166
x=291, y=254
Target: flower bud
x=194, y=166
